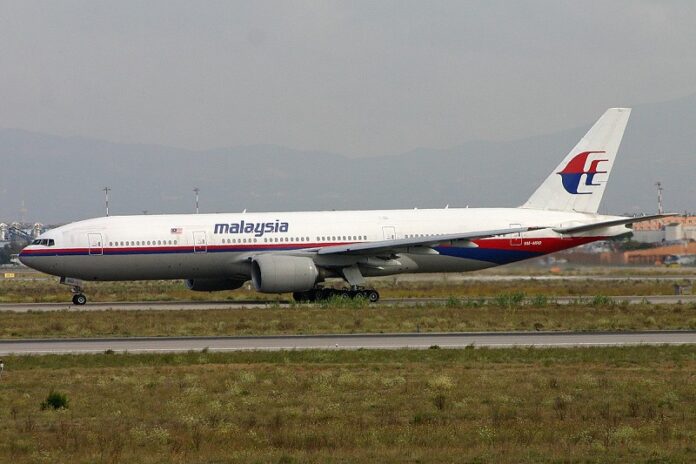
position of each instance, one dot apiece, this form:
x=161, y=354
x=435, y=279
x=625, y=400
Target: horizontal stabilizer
x=615, y=222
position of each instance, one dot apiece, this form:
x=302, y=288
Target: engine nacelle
x=281, y=274
x=212, y=285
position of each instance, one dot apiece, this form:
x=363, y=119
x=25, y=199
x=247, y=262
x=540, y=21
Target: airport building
x=671, y=229
x=661, y=255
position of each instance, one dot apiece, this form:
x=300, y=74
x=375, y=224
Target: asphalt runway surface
x=203, y=305
x=345, y=342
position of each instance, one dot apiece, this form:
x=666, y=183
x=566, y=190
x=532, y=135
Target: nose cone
x=21, y=257
x=25, y=257
x=34, y=258
x=41, y=254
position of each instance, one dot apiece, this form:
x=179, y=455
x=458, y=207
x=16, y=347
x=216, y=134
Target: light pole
x=106, y=198
x=196, y=190
x=660, y=208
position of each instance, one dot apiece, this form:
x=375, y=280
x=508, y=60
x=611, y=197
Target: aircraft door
x=516, y=239
x=389, y=232
x=96, y=246
x=200, y=242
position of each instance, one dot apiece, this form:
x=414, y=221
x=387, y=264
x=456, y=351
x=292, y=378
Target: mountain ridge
x=60, y=178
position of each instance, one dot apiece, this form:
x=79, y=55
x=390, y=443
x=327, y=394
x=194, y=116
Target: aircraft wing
x=613, y=222
x=393, y=246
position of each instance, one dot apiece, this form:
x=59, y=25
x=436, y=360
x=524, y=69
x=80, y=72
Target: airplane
x=296, y=252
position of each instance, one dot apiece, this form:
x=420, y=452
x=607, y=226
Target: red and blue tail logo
x=571, y=175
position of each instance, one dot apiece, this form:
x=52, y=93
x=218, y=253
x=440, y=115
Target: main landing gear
x=319, y=294
x=75, y=285
x=353, y=277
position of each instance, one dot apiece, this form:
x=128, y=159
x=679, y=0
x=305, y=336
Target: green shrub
x=55, y=400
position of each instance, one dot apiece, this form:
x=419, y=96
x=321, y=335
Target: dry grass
x=48, y=290
x=506, y=406
x=339, y=317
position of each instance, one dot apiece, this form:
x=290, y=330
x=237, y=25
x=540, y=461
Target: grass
x=48, y=290
x=633, y=404
x=457, y=315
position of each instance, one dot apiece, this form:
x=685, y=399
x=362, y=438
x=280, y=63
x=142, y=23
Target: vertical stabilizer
x=578, y=183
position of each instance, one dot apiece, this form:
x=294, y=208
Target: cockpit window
x=44, y=242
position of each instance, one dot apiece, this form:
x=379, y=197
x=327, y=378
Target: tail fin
x=578, y=183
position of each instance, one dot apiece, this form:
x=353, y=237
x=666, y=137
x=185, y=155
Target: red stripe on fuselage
x=542, y=245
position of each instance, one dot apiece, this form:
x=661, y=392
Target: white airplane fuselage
x=296, y=251
x=213, y=246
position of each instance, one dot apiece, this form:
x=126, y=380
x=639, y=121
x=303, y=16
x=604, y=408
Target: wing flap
x=417, y=242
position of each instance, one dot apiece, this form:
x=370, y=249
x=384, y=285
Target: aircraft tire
x=303, y=297
x=79, y=299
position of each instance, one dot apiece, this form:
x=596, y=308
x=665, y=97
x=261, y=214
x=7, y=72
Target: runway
x=346, y=342
x=204, y=305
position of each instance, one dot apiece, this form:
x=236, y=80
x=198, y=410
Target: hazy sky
x=357, y=78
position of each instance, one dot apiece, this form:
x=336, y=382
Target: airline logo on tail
x=571, y=175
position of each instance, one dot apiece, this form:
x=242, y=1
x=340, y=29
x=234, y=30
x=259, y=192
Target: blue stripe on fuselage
x=491, y=255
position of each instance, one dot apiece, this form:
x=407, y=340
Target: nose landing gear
x=75, y=285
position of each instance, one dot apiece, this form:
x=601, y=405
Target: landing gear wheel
x=372, y=296
x=303, y=297
x=79, y=299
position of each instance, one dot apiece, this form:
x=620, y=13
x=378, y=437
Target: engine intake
x=281, y=274
x=212, y=285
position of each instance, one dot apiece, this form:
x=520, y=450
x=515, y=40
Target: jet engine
x=281, y=273
x=212, y=285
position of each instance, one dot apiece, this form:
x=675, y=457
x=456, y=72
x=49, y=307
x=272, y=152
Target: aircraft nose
x=23, y=257
x=30, y=260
